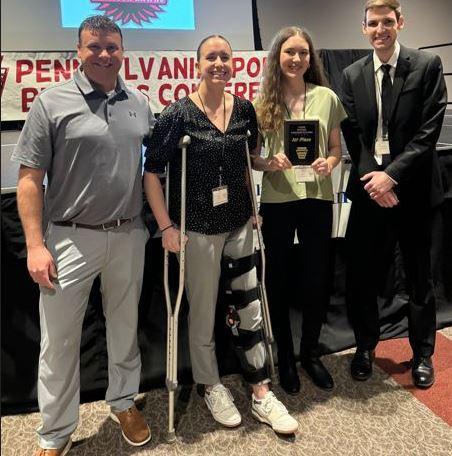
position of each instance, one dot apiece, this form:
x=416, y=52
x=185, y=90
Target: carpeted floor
x=384, y=416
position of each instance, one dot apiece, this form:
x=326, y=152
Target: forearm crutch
x=266, y=323
x=173, y=314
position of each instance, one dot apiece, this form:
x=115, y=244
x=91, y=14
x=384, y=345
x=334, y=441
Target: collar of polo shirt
x=87, y=87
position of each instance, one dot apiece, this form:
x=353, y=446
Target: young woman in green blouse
x=294, y=88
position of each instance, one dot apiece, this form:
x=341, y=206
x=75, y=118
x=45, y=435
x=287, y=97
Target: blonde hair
x=270, y=109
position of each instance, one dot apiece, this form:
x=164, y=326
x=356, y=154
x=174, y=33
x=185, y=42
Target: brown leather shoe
x=135, y=430
x=55, y=452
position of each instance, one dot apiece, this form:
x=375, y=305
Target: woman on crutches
x=219, y=229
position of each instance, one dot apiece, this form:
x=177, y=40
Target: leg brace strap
x=235, y=267
x=241, y=298
x=247, y=339
x=244, y=342
x=250, y=373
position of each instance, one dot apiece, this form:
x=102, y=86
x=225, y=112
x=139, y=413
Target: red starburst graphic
x=137, y=11
x=4, y=75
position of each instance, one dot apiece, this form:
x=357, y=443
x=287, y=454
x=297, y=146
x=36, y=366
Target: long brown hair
x=270, y=109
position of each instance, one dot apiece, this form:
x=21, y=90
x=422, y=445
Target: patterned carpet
x=375, y=418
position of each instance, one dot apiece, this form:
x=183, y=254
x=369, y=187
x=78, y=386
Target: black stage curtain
x=336, y=60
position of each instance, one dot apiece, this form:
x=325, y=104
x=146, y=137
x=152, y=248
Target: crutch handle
x=184, y=141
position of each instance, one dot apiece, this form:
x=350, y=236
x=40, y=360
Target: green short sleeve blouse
x=280, y=186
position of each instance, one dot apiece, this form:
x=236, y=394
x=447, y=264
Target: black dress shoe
x=361, y=366
x=288, y=376
x=422, y=372
x=317, y=372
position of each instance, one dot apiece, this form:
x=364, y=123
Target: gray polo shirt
x=90, y=145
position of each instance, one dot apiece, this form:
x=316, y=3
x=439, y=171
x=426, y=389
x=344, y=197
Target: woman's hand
x=322, y=167
x=278, y=162
x=256, y=222
x=171, y=239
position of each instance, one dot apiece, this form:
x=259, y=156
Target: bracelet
x=167, y=227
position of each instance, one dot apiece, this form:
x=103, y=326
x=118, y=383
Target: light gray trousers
x=202, y=273
x=80, y=255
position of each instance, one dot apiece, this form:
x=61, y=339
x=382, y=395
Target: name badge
x=220, y=195
x=303, y=174
x=381, y=147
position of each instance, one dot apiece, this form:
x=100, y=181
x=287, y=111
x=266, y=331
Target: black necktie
x=386, y=98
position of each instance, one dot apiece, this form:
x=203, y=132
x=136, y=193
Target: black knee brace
x=235, y=300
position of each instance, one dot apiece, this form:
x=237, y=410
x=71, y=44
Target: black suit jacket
x=419, y=103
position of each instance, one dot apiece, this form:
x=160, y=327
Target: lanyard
x=220, y=166
x=304, y=105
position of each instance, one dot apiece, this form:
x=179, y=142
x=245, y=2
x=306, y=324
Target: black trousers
x=372, y=235
x=311, y=219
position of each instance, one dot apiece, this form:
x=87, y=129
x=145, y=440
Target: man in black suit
x=395, y=99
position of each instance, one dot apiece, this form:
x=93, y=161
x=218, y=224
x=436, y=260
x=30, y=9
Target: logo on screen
x=137, y=11
x=4, y=75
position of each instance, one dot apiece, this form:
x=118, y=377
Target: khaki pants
x=80, y=255
x=202, y=273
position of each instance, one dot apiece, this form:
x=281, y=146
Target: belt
x=102, y=226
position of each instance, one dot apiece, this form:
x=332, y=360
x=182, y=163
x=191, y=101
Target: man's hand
x=278, y=162
x=171, y=239
x=389, y=199
x=379, y=183
x=41, y=266
x=321, y=167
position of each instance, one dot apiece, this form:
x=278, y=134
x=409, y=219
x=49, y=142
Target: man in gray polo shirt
x=86, y=135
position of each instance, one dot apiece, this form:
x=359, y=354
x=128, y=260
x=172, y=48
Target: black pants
x=371, y=238
x=311, y=219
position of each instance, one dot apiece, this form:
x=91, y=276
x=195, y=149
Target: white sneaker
x=271, y=411
x=220, y=402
